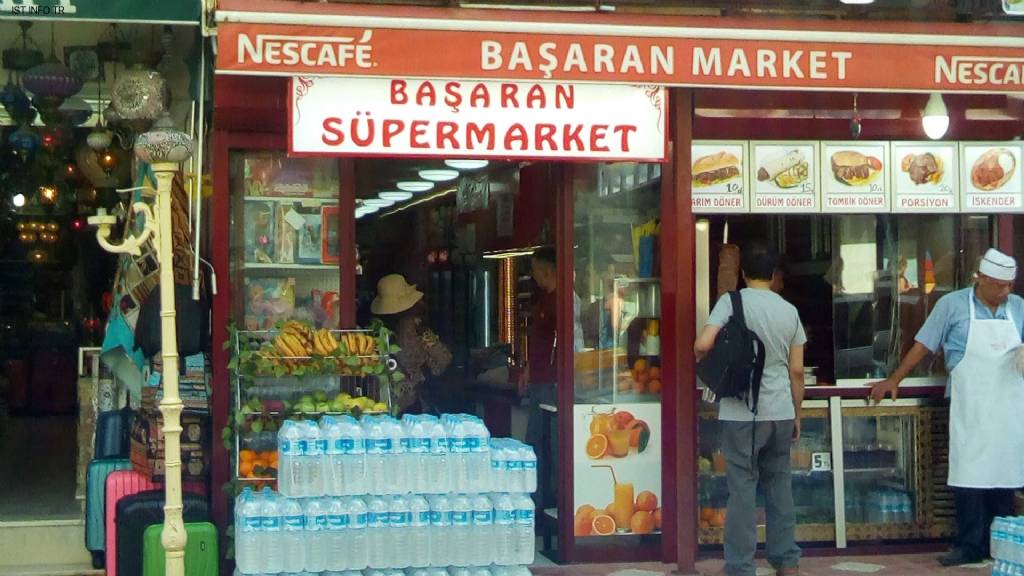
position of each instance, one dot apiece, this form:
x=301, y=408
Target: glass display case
x=813, y=482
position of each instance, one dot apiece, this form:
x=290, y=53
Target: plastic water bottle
x=248, y=532
x=289, y=452
x=499, y=458
x=504, y=530
x=459, y=571
x=377, y=523
x=330, y=434
x=358, y=544
x=440, y=530
x=419, y=532
x=478, y=448
x=515, y=466
x=396, y=464
x=272, y=550
x=312, y=464
x=438, y=471
x=999, y=537
x=462, y=529
x=417, y=452
x=353, y=456
x=316, y=535
x=337, y=535
x=294, y=523
x=528, y=457
x=526, y=539
x=400, y=524
x=457, y=449
x=482, y=535
x=374, y=440
x=480, y=571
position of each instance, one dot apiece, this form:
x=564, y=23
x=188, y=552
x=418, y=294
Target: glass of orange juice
x=623, y=506
x=618, y=443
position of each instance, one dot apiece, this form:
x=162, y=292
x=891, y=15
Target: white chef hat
x=997, y=265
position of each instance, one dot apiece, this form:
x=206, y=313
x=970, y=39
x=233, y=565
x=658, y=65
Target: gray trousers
x=542, y=434
x=769, y=466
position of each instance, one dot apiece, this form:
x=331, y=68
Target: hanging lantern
x=107, y=161
x=99, y=139
x=14, y=100
x=24, y=142
x=76, y=110
x=50, y=84
x=164, y=143
x=173, y=68
x=47, y=195
x=111, y=115
x=139, y=94
x=22, y=58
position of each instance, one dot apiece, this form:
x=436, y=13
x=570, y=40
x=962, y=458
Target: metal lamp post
x=164, y=147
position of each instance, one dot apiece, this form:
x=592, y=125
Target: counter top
x=923, y=388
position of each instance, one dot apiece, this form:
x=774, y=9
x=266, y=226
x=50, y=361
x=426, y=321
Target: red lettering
x=479, y=135
x=333, y=135
x=426, y=93
x=516, y=133
x=370, y=129
x=398, y=95
x=624, y=130
x=597, y=134
x=391, y=128
x=419, y=130
x=453, y=98
x=565, y=96
x=535, y=97
x=571, y=136
x=544, y=133
x=508, y=95
x=446, y=131
x=480, y=97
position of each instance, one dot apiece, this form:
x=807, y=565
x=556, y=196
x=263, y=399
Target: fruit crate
x=284, y=374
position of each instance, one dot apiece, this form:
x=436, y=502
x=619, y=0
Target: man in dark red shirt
x=540, y=377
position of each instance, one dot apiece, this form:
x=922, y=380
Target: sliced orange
x=597, y=446
x=603, y=525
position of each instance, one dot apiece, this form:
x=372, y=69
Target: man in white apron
x=979, y=331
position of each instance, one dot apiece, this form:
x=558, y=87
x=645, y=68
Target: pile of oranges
x=712, y=517
x=253, y=464
x=604, y=425
x=646, y=518
x=642, y=379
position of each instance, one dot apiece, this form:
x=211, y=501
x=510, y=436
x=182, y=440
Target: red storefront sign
x=633, y=54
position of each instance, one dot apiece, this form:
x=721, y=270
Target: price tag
x=821, y=462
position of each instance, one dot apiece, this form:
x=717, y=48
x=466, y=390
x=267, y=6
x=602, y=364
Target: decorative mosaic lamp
x=163, y=143
x=24, y=142
x=139, y=94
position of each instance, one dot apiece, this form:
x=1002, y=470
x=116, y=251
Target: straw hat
x=394, y=295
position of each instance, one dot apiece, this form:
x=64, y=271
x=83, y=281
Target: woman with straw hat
x=400, y=306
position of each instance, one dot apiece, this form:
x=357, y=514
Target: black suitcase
x=136, y=513
x=113, y=440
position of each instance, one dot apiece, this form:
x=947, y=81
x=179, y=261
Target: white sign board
x=784, y=177
x=461, y=119
x=925, y=177
x=854, y=177
x=990, y=177
x=719, y=176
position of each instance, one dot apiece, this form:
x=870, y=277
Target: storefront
x=643, y=227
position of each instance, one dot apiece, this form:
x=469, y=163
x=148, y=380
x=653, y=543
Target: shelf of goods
x=297, y=372
x=424, y=494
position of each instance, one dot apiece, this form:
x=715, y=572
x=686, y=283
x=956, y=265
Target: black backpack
x=733, y=368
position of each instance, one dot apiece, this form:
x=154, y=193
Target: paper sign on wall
x=925, y=177
x=784, y=177
x=990, y=176
x=719, y=176
x=854, y=177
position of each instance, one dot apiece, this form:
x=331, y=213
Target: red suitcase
x=120, y=483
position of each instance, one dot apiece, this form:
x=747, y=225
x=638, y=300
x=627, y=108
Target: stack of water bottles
x=1007, y=546
x=431, y=496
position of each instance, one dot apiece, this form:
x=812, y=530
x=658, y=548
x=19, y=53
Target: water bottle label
x=359, y=521
x=379, y=446
x=530, y=465
x=289, y=448
x=271, y=523
x=406, y=443
x=425, y=517
x=321, y=446
x=496, y=465
x=303, y=445
x=426, y=444
x=504, y=516
x=440, y=518
x=377, y=519
x=252, y=524
x=460, y=518
x=471, y=443
x=337, y=521
x=344, y=445
x=524, y=516
x=320, y=523
x=514, y=465
x=400, y=519
x=482, y=517
x=294, y=522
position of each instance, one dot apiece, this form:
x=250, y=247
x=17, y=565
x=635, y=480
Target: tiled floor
x=908, y=565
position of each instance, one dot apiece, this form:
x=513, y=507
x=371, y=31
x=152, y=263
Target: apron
x=986, y=431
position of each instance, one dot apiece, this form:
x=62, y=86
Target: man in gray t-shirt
x=757, y=447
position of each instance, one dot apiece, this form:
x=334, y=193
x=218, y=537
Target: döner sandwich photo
x=784, y=170
x=993, y=169
x=715, y=168
x=855, y=169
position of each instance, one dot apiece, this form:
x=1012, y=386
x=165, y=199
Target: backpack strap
x=737, y=307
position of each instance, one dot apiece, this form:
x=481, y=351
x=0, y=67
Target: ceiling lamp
x=440, y=175
x=935, y=117
x=396, y=196
x=365, y=211
x=466, y=164
x=414, y=186
x=857, y=1
x=378, y=202
x=50, y=84
x=18, y=200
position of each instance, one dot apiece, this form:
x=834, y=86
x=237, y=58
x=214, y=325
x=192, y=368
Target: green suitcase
x=201, y=557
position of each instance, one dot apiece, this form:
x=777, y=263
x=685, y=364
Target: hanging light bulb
x=107, y=161
x=48, y=194
x=935, y=117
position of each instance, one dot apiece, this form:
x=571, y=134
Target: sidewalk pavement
x=895, y=565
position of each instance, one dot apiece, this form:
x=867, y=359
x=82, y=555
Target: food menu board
x=719, y=176
x=854, y=177
x=990, y=176
x=784, y=177
x=925, y=177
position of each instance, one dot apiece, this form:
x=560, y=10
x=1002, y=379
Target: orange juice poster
x=617, y=466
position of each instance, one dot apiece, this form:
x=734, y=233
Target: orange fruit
x=609, y=510
x=654, y=386
x=246, y=455
x=603, y=525
x=642, y=523
x=597, y=446
x=706, y=514
x=640, y=386
x=643, y=377
x=245, y=469
x=586, y=509
x=622, y=419
x=583, y=525
x=717, y=518
x=654, y=373
x=657, y=518
x=646, y=501
x=704, y=524
x=640, y=365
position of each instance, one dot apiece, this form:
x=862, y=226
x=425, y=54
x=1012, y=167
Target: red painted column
x=564, y=290
x=219, y=241
x=347, y=241
x=1005, y=227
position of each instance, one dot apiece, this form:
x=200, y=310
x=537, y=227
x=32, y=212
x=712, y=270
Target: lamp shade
x=76, y=110
x=935, y=117
x=99, y=138
x=139, y=94
x=51, y=79
x=163, y=143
